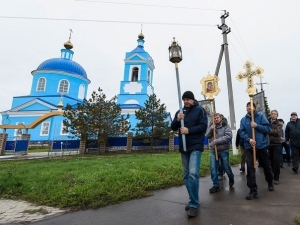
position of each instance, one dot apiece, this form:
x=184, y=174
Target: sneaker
x=252, y=195
x=192, y=212
x=242, y=169
x=295, y=169
x=214, y=189
x=271, y=187
x=220, y=177
x=231, y=182
x=276, y=182
x=187, y=207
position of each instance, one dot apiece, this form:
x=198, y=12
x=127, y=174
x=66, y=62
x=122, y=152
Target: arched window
x=148, y=78
x=135, y=74
x=63, y=86
x=81, y=91
x=41, y=84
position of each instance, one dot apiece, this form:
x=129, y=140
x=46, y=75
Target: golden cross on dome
x=71, y=31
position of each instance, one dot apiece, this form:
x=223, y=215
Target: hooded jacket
x=261, y=131
x=223, y=136
x=195, y=120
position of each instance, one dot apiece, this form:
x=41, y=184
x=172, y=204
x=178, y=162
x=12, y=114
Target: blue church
x=136, y=86
x=60, y=81
x=55, y=83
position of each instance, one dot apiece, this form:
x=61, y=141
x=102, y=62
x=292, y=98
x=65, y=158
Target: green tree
x=96, y=118
x=268, y=111
x=153, y=125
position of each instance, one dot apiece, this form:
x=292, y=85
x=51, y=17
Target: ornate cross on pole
x=251, y=89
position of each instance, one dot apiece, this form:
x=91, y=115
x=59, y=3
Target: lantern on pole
x=175, y=56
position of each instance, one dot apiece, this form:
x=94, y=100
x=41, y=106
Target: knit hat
x=294, y=113
x=189, y=95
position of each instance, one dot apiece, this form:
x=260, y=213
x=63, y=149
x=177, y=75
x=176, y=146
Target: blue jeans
x=191, y=165
x=214, y=164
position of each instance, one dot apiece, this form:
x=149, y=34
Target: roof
x=64, y=65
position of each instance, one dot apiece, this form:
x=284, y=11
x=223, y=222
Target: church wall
x=52, y=84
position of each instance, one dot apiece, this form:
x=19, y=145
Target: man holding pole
x=220, y=140
x=195, y=125
x=258, y=142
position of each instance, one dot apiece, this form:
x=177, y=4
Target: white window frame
x=38, y=84
x=43, y=127
x=62, y=129
x=81, y=91
x=59, y=84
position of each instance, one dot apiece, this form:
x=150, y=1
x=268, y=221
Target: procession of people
x=265, y=145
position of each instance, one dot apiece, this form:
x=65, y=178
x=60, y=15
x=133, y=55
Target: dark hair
x=250, y=104
x=280, y=120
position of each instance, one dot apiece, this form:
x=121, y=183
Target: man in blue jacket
x=195, y=125
x=262, y=128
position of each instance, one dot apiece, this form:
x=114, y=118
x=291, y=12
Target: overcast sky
x=265, y=32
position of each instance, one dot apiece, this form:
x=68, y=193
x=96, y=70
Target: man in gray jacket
x=222, y=143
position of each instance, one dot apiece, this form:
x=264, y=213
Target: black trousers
x=288, y=152
x=295, y=156
x=274, y=152
x=264, y=161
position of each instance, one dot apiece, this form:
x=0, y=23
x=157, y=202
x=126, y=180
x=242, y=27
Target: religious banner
x=206, y=105
x=210, y=89
x=259, y=101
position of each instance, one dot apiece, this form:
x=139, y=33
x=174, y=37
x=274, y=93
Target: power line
x=241, y=38
x=235, y=50
x=242, y=47
x=105, y=21
x=161, y=6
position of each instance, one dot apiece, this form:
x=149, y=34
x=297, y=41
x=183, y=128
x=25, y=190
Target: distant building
x=61, y=81
x=55, y=83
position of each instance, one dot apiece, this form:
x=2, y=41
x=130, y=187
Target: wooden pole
x=253, y=132
x=214, y=130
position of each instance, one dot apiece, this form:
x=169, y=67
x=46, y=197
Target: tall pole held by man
x=251, y=90
x=175, y=56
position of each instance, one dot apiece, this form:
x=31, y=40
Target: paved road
x=228, y=207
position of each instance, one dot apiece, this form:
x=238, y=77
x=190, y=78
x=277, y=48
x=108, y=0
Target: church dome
x=64, y=65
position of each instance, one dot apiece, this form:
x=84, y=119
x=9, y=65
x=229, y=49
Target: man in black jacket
x=195, y=125
x=292, y=135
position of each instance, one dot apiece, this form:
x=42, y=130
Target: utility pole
x=224, y=50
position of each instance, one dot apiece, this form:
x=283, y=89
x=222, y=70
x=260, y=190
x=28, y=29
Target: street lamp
x=175, y=56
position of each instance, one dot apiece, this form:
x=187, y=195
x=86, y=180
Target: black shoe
x=192, y=212
x=231, y=182
x=252, y=195
x=276, y=182
x=187, y=207
x=271, y=187
x=242, y=169
x=214, y=189
x=295, y=169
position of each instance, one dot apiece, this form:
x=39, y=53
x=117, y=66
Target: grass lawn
x=93, y=181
